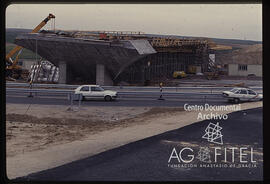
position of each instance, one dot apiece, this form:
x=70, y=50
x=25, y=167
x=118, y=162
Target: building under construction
x=107, y=58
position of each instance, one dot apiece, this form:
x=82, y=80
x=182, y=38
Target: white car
x=95, y=92
x=241, y=94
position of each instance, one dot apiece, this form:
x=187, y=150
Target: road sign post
x=161, y=89
x=30, y=87
x=80, y=99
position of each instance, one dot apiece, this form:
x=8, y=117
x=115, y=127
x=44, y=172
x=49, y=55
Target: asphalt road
x=147, y=159
x=138, y=97
x=152, y=101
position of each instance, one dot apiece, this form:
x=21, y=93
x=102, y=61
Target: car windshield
x=234, y=90
x=84, y=88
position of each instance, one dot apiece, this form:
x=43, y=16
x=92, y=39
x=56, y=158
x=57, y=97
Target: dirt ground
x=43, y=126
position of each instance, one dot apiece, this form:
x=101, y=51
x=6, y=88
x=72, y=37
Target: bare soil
x=27, y=133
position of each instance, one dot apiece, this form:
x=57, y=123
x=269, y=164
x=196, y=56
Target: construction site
x=83, y=99
x=129, y=93
x=115, y=57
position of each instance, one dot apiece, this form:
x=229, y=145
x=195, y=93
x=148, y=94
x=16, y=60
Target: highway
x=128, y=96
x=136, y=98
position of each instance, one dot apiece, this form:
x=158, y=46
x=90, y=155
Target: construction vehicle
x=13, y=70
x=179, y=74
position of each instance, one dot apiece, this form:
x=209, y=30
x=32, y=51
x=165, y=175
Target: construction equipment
x=12, y=69
x=179, y=74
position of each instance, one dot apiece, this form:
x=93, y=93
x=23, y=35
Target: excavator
x=13, y=70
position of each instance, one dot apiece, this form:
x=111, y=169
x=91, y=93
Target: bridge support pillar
x=102, y=77
x=62, y=72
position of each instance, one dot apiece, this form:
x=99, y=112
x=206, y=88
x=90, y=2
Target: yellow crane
x=12, y=68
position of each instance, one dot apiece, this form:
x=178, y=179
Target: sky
x=231, y=21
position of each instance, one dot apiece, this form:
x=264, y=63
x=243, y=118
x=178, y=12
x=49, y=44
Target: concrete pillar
x=198, y=69
x=102, y=77
x=62, y=72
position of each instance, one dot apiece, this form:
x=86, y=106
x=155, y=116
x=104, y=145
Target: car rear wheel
x=108, y=98
x=236, y=100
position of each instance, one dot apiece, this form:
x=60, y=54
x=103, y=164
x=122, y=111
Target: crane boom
x=18, y=48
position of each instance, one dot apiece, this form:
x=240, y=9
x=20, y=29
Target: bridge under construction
x=110, y=57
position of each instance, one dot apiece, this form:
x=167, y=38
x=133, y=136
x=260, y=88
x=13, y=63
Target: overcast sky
x=236, y=21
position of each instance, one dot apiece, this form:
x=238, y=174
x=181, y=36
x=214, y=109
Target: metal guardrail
x=25, y=90
x=11, y=84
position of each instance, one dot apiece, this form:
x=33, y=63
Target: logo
x=213, y=133
x=204, y=155
x=212, y=156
